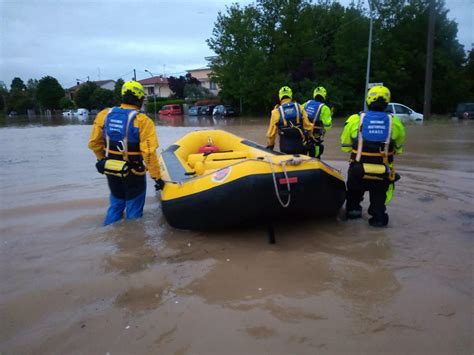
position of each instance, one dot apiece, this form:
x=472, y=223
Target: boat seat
x=218, y=159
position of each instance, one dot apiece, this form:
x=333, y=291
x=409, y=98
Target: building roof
x=98, y=83
x=154, y=80
x=198, y=69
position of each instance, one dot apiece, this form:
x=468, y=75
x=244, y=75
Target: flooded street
x=69, y=285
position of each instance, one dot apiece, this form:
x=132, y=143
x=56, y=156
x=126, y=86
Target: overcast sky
x=107, y=39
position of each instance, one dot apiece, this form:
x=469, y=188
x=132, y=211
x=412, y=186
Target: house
x=104, y=84
x=156, y=85
x=202, y=75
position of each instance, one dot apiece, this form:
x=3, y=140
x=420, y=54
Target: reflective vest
x=290, y=115
x=313, y=108
x=290, y=122
x=121, y=136
x=373, y=144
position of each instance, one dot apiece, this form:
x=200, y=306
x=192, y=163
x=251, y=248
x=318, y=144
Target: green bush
x=160, y=102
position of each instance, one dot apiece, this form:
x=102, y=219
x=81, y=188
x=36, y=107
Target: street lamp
x=369, y=52
x=154, y=95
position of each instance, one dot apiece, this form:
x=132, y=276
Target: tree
x=469, y=74
x=177, y=85
x=102, y=98
x=193, y=91
x=3, y=96
x=303, y=44
x=18, y=100
x=49, y=93
x=17, y=85
x=118, y=90
x=65, y=103
x=83, y=96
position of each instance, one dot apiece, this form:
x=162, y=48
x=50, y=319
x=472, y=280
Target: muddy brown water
x=69, y=285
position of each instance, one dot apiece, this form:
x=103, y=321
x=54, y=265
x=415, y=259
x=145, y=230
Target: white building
x=156, y=85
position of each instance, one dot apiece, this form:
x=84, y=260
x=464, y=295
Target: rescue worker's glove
x=100, y=166
x=159, y=184
x=270, y=147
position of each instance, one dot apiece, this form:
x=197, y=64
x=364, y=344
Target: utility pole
x=134, y=74
x=429, y=62
x=369, y=54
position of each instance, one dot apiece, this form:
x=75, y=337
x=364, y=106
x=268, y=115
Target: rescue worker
x=125, y=142
x=289, y=120
x=372, y=137
x=319, y=114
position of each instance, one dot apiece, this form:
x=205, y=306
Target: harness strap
x=360, y=139
x=124, y=150
x=387, y=141
x=316, y=116
x=107, y=138
x=282, y=115
x=131, y=115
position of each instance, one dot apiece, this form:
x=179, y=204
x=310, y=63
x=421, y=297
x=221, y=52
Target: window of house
x=151, y=90
x=212, y=85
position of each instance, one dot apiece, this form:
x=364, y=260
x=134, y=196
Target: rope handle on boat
x=277, y=192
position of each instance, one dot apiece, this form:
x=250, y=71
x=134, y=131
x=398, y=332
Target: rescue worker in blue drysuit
x=125, y=142
x=290, y=121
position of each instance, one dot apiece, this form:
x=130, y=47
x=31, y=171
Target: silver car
x=404, y=113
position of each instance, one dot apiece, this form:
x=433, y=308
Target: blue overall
x=128, y=193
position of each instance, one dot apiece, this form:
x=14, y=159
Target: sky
x=107, y=39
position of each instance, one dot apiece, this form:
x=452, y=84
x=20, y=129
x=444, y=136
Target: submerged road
x=69, y=285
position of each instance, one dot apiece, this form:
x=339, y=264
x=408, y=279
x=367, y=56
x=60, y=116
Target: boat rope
x=277, y=191
x=292, y=161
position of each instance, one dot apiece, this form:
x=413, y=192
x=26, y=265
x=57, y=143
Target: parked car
x=206, y=110
x=465, y=110
x=171, y=110
x=404, y=113
x=81, y=112
x=68, y=113
x=193, y=111
x=224, y=110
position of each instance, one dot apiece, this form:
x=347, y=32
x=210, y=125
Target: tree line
x=271, y=43
x=48, y=94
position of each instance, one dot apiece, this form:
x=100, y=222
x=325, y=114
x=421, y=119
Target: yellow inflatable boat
x=216, y=179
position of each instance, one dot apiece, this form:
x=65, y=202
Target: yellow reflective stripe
x=120, y=153
x=389, y=194
x=367, y=153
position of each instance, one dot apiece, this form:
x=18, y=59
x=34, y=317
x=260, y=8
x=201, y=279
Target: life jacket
x=313, y=108
x=373, y=146
x=121, y=136
x=290, y=123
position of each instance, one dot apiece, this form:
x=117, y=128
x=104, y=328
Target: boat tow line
x=291, y=161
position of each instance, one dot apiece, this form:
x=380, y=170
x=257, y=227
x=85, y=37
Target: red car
x=171, y=110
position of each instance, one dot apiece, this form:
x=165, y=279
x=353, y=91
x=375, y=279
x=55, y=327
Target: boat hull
x=253, y=199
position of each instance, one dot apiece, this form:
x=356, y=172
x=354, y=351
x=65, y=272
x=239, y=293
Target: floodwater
x=69, y=285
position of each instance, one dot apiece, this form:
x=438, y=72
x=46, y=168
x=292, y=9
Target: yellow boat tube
x=239, y=182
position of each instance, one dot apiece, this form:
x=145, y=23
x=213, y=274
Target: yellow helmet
x=376, y=92
x=135, y=87
x=285, y=91
x=320, y=91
